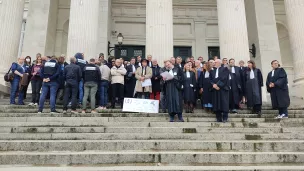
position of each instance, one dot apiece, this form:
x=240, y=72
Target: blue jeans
x=103, y=90
x=52, y=86
x=15, y=90
x=80, y=90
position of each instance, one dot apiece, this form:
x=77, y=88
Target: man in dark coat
x=235, y=86
x=173, y=88
x=219, y=79
x=130, y=78
x=155, y=81
x=163, y=91
x=243, y=70
x=277, y=86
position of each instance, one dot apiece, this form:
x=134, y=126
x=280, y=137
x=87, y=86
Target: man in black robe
x=130, y=78
x=219, y=79
x=173, y=89
x=243, y=69
x=235, y=86
x=277, y=86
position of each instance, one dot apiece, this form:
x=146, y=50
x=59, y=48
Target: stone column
x=295, y=20
x=83, y=28
x=233, y=29
x=159, y=29
x=40, y=34
x=11, y=16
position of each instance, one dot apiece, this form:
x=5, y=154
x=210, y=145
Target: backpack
x=9, y=76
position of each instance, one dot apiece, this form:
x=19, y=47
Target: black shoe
x=224, y=121
x=164, y=111
x=54, y=112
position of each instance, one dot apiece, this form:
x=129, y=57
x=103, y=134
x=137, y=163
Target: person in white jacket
x=118, y=79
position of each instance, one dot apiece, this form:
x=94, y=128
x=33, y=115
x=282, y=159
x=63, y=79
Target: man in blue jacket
x=49, y=73
x=82, y=63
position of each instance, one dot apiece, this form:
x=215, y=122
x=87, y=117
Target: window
x=123, y=52
x=138, y=52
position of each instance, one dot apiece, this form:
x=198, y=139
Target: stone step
x=46, y=106
x=13, y=109
x=92, y=123
x=146, y=130
x=279, y=167
x=170, y=157
x=144, y=119
x=151, y=136
x=160, y=115
x=164, y=145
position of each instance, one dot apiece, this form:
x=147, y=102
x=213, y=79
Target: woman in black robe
x=277, y=86
x=253, y=84
x=206, y=87
x=189, y=86
x=173, y=89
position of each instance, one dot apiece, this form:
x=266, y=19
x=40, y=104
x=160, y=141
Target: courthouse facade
x=162, y=28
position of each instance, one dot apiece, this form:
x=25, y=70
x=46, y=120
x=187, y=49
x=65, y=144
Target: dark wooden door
x=182, y=51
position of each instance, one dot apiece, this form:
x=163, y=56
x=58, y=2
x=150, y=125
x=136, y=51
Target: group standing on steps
x=217, y=86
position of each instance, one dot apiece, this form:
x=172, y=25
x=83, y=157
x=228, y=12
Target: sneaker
x=282, y=116
x=64, y=112
x=74, y=112
x=278, y=117
x=83, y=112
x=100, y=108
x=93, y=111
x=39, y=112
x=31, y=104
x=104, y=108
x=36, y=104
x=54, y=112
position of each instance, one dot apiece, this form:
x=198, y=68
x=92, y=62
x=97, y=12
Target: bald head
x=218, y=63
x=73, y=60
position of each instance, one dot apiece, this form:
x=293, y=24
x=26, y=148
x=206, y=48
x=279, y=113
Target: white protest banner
x=140, y=105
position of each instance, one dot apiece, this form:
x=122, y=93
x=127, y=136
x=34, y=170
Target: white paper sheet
x=146, y=83
x=167, y=75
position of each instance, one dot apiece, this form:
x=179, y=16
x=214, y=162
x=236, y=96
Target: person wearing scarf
x=142, y=74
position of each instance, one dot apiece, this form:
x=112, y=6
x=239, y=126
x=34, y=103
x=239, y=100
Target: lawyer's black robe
x=173, y=89
x=253, y=88
x=235, y=88
x=242, y=73
x=220, y=98
x=207, y=87
x=188, y=91
x=279, y=93
x=130, y=81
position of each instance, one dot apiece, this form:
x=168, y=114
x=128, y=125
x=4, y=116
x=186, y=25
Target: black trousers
x=283, y=110
x=36, y=87
x=220, y=116
x=71, y=90
x=117, y=91
x=257, y=108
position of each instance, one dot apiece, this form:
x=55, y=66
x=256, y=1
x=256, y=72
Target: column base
x=297, y=89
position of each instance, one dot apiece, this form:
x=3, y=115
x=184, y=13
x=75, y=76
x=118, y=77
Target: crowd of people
x=217, y=86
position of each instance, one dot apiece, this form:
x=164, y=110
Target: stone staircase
x=112, y=140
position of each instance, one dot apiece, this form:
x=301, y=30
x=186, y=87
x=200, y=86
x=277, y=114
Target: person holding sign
x=143, y=75
x=189, y=87
x=173, y=89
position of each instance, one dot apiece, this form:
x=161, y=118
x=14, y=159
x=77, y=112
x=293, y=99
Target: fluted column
x=233, y=29
x=83, y=28
x=159, y=29
x=11, y=16
x=295, y=20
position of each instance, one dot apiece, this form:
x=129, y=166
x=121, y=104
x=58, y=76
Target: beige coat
x=118, y=75
x=138, y=86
